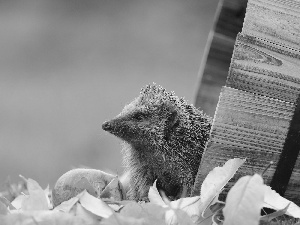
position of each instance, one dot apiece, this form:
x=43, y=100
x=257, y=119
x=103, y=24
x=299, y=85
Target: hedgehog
x=164, y=138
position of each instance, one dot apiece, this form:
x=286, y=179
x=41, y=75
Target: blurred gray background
x=66, y=66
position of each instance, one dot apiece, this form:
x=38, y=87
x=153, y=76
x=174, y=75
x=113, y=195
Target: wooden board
x=216, y=61
x=258, y=112
x=263, y=67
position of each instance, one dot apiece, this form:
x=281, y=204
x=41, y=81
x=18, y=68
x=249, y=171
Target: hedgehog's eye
x=139, y=116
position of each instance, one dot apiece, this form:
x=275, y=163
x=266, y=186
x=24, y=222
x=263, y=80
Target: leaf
x=32, y=186
x=274, y=201
x=218, y=217
x=3, y=209
x=154, y=196
x=177, y=209
x=151, y=213
x=132, y=210
x=244, y=201
x=118, y=219
x=210, y=189
x=48, y=194
x=217, y=213
x=42, y=217
x=218, y=178
x=6, y=203
x=269, y=217
x=17, y=202
x=184, y=202
x=37, y=199
x=191, y=205
x=95, y=205
x=177, y=217
x=217, y=206
x=66, y=206
x=86, y=214
x=116, y=207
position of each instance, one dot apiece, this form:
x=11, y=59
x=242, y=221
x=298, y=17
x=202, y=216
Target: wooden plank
x=265, y=68
x=258, y=112
x=275, y=20
x=214, y=67
x=245, y=124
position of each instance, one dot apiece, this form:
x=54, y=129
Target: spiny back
x=153, y=96
x=165, y=138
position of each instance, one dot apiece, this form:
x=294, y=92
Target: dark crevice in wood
x=289, y=154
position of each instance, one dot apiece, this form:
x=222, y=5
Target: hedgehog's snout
x=107, y=126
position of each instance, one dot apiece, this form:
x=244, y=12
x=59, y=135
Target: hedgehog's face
x=140, y=125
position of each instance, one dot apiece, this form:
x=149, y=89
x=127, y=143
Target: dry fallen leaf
x=154, y=196
x=85, y=214
x=119, y=219
x=41, y=217
x=95, y=205
x=244, y=201
x=196, y=206
x=7, y=203
x=3, y=209
x=269, y=217
x=66, y=206
x=37, y=199
x=274, y=201
x=218, y=217
x=17, y=202
x=218, y=178
x=210, y=189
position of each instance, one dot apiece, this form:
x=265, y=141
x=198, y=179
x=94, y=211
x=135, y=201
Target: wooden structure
x=216, y=61
x=258, y=112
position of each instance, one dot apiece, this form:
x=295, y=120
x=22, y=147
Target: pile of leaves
x=244, y=204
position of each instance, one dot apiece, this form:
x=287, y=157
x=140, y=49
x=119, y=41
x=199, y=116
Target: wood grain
x=249, y=126
x=258, y=112
x=275, y=20
x=265, y=68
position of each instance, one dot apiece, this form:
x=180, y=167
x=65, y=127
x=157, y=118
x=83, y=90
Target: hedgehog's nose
x=106, y=126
